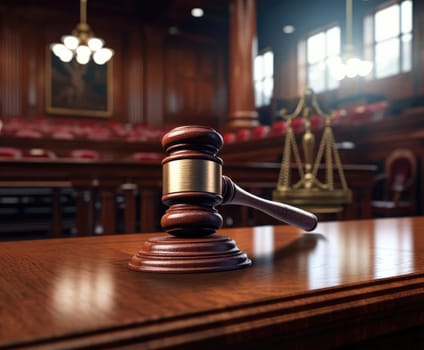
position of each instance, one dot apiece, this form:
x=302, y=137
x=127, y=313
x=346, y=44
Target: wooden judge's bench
x=355, y=284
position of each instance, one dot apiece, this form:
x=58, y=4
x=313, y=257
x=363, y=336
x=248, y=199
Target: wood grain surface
x=342, y=284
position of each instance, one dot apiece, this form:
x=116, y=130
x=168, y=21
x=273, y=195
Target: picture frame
x=78, y=89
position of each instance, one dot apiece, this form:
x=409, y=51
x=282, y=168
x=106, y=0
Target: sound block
x=187, y=255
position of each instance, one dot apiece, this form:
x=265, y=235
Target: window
x=315, y=55
x=264, y=78
x=388, y=39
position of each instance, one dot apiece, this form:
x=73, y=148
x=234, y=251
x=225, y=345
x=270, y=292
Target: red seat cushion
x=84, y=154
x=260, y=132
x=229, y=138
x=40, y=153
x=243, y=135
x=29, y=133
x=10, y=153
x=317, y=122
x=278, y=128
x=298, y=125
x=150, y=156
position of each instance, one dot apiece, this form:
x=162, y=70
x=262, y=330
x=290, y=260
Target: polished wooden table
x=352, y=282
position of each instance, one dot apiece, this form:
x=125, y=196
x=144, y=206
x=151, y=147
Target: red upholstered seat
x=11, y=124
x=41, y=124
x=62, y=132
x=260, y=132
x=339, y=116
x=229, y=138
x=98, y=133
x=298, y=125
x=317, y=122
x=39, y=153
x=149, y=156
x=359, y=114
x=378, y=110
x=243, y=135
x=84, y=154
x=278, y=128
x=30, y=133
x=10, y=153
x=118, y=129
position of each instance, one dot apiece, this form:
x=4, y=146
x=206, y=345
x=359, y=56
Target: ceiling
x=305, y=15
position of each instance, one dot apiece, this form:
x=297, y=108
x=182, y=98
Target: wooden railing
x=139, y=184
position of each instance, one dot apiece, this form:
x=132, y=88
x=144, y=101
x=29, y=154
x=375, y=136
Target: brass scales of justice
x=308, y=192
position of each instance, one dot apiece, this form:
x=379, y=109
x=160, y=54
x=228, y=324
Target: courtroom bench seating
x=69, y=128
x=356, y=116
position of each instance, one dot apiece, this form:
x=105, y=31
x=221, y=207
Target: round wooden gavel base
x=185, y=255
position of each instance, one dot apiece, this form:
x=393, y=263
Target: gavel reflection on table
x=193, y=185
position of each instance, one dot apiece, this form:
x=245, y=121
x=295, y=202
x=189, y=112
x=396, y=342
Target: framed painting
x=78, y=89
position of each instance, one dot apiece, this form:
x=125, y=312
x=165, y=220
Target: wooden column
x=243, y=48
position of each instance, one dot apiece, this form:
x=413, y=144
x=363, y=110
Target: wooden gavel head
x=193, y=185
x=192, y=181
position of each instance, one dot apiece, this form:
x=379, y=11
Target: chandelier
x=82, y=43
x=351, y=66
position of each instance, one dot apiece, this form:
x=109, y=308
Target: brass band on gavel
x=192, y=175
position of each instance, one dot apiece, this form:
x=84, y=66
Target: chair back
x=401, y=168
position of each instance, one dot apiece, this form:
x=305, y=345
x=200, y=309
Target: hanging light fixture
x=82, y=44
x=350, y=66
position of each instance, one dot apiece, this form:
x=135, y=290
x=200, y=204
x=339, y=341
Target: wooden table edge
x=355, y=309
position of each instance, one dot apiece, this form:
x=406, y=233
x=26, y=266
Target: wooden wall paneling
x=187, y=71
x=191, y=71
x=11, y=69
x=34, y=48
x=221, y=94
x=399, y=86
x=135, y=75
x=154, y=75
x=285, y=74
x=418, y=47
x=207, y=82
x=173, y=100
x=214, y=94
x=2, y=57
x=193, y=82
x=119, y=71
x=36, y=39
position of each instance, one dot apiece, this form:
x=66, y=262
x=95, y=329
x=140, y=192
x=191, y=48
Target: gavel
x=193, y=185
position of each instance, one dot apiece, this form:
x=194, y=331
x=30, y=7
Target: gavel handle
x=233, y=194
